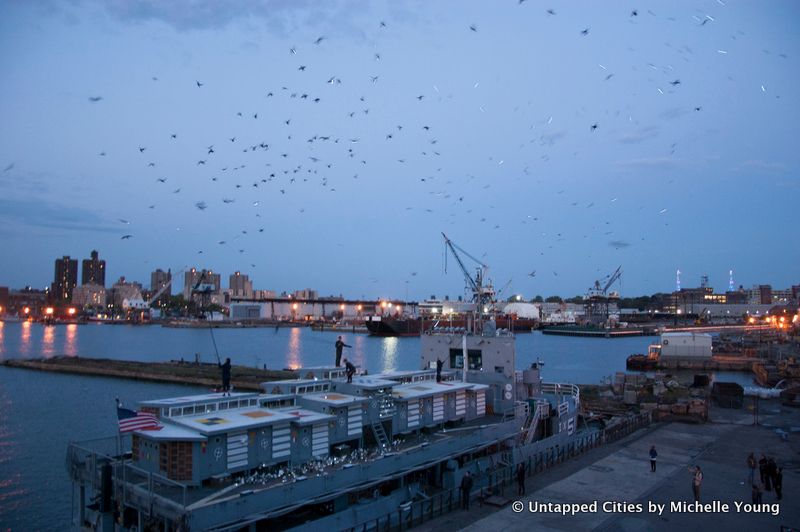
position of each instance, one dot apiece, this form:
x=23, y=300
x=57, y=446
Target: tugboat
x=324, y=452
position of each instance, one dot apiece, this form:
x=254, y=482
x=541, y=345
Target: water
x=41, y=412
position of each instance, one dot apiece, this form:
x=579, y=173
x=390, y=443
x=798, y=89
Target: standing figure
x=350, y=369
x=439, y=364
x=697, y=482
x=339, y=346
x=777, y=483
x=226, y=376
x=751, y=468
x=653, y=455
x=762, y=468
x=521, y=479
x=466, y=488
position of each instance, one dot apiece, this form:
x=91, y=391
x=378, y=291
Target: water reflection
x=293, y=351
x=389, y=351
x=2, y=340
x=48, y=341
x=25, y=338
x=70, y=346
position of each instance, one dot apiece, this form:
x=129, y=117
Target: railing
x=495, y=480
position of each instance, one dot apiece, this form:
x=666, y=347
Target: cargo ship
x=414, y=326
x=324, y=452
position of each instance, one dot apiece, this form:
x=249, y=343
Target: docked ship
x=322, y=453
x=435, y=314
x=415, y=325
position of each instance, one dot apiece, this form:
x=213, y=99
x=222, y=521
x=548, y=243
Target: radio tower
x=730, y=281
x=678, y=281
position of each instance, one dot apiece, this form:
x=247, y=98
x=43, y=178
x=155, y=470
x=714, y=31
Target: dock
x=174, y=372
x=714, y=363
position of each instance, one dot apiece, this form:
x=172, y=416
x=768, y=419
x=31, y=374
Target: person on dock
x=751, y=468
x=350, y=370
x=697, y=481
x=466, y=488
x=777, y=483
x=339, y=346
x=226, y=376
x=653, y=455
x=439, y=364
x=521, y=479
x=762, y=468
x=756, y=493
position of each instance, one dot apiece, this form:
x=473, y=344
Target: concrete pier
x=242, y=377
x=620, y=472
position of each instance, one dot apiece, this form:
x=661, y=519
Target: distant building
x=305, y=294
x=3, y=300
x=89, y=295
x=27, y=302
x=264, y=294
x=94, y=270
x=122, y=290
x=158, y=280
x=201, y=279
x=240, y=286
x=66, y=279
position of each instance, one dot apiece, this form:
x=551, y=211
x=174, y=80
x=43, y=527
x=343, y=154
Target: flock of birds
x=245, y=170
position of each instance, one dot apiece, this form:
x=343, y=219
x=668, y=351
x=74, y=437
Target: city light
x=49, y=311
x=383, y=304
x=71, y=311
x=26, y=310
x=399, y=308
x=294, y=306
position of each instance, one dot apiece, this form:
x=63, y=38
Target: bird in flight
x=593, y=127
x=126, y=237
x=124, y=221
x=95, y=99
x=301, y=68
x=319, y=40
x=585, y=32
x=201, y=205
x=532, y=274
x=676, y=82
x=473, y=27
x=198, y=83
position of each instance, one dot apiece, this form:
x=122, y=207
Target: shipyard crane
x=597, y=299
x=204, y=289
x=483, y=296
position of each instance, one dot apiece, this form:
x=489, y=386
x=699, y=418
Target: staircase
x=380, y=434
x=531, y=422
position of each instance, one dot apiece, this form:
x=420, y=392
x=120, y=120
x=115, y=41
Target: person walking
x=350, y=370
x=521, y=479
x=339, y=346
x=226, y=376
x=697, y=481
x=751, y=468
x=466, y=489
x=653, y=455
x=777, y=483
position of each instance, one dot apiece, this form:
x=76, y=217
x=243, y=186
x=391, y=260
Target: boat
x=326, y=452
x=593, y=331
x=415, y=325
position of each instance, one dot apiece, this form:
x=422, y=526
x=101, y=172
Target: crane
x=483, y=296
x=599, y=290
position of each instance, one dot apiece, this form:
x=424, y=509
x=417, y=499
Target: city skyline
x=327, y=146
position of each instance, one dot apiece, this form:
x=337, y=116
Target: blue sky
x=692, y=163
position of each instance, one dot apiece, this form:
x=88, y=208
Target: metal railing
x=495, y=480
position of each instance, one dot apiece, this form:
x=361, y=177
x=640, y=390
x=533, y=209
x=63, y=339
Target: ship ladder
x=380, y=434
x=534, y=422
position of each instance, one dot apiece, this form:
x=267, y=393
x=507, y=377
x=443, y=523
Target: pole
x=465, y=357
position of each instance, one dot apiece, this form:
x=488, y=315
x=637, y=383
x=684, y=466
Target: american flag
x=130, y=420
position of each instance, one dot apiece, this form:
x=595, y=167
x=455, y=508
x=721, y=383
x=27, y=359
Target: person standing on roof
x=226, y=376
x=339, y=346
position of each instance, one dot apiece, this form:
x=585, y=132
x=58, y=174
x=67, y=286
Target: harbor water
x=41, y=412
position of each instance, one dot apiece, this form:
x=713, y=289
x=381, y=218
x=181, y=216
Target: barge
x=325, y=452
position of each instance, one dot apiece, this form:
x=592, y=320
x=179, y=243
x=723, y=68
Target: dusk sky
x=327, y=145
